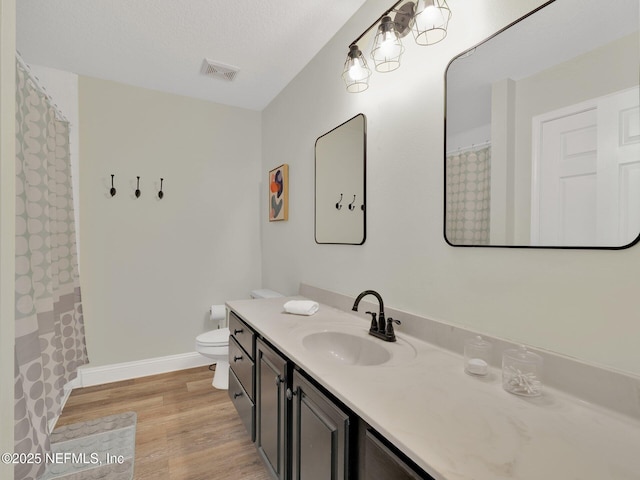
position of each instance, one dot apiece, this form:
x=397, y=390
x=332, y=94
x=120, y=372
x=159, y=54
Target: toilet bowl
x=215, y=345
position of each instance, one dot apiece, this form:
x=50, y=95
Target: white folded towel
x=301, y=307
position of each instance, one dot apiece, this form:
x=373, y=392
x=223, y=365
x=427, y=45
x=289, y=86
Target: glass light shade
x=356, y=72
x=430, y=21
x=387, y=47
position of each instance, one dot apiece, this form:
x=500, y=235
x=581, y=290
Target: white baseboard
x=89, y=376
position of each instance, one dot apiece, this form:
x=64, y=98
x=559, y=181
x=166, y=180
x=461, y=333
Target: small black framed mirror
x=340, y=190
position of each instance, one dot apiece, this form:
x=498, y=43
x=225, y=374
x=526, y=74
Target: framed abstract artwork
x=279, y=193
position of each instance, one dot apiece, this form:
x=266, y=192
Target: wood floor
x=187, y=430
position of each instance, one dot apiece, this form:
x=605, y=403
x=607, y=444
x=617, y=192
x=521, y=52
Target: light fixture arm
x=375, y=24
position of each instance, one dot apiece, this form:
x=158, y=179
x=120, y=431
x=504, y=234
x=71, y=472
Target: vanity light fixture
x=430, y=21
x=356, y=72
x=427, y=19
x=387, y=46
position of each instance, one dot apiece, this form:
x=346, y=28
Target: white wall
x=7, y=226
x=580, y=303
x=151, y=268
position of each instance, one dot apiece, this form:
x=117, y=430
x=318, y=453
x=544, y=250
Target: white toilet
x=214, y=344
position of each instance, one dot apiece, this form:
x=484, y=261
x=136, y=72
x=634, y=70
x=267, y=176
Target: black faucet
x=382, y=328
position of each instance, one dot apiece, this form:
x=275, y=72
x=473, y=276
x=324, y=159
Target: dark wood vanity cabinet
x=300, y=433
x=242, y=333
x=319, y=434
x=300, y=430
x=242, y=371
x=382, y=463
x=272, y=412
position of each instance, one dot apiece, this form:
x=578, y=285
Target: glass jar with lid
x=522, y=372
x=477, y=356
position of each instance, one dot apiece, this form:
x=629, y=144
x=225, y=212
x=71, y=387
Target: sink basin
x=346, y=348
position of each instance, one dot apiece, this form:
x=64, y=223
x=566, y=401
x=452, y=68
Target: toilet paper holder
x=218, y=314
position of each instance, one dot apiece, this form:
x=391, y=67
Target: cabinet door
x=320, y=438
x=382, y=464
x=271, y=409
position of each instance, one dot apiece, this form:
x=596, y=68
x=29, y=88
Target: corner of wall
x=7, y=226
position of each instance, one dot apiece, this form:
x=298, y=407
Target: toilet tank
x=264, y=293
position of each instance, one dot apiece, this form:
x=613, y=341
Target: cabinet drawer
x=244, y=405
x=242, y=365
x=242, y=333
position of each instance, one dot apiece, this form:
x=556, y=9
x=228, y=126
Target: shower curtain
x=468, y=186
x=50, y=341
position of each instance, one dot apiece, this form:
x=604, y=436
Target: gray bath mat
x=100, y=449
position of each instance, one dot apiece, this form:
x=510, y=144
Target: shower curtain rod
x=36, y=83
x=470, y=148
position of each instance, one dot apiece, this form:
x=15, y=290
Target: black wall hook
x=161, y=193
x=352, y=205
x=339, y=203
x=113, y=190
x=138, y=188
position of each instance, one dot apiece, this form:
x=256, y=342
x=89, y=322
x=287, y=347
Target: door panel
x=567, y=187
x=317, y=442
x=271, y=409
x=619, y=156
x=382, y=464
x=320, y=434
x=586, y=171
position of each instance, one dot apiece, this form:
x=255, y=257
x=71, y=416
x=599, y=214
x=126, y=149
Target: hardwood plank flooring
x=187, y=430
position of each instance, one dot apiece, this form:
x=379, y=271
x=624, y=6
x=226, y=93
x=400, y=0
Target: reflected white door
x=586, y=158
x=619, y=165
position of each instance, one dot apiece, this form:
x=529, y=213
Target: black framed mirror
x=340, y=193
x=542, y=125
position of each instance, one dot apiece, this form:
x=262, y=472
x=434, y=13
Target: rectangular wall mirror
x=542, y=126
x=341, y=156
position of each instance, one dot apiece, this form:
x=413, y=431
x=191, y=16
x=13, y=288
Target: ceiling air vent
x=218, y=70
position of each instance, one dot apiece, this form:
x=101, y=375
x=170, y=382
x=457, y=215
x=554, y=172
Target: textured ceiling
x=160, y=44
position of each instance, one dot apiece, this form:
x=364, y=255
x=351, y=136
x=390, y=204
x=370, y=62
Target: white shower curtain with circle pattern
x=468, y=187
x=50, y=341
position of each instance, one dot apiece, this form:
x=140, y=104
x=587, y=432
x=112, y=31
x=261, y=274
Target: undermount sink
x=346, y=348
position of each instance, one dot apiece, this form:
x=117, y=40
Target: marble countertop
x=454, y=425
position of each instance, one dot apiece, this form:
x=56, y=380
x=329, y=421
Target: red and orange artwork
x=279, y=193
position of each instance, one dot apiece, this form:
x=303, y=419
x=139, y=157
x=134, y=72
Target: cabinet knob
x=235, y=359
x=290, y=394
x=236, y=395
x=237, y=331
x=279, y=380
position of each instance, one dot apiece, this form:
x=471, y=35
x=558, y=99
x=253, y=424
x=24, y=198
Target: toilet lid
x=214, y=337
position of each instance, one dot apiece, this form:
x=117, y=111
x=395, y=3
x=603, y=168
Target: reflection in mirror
x=340, y=183
x=543, y=131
